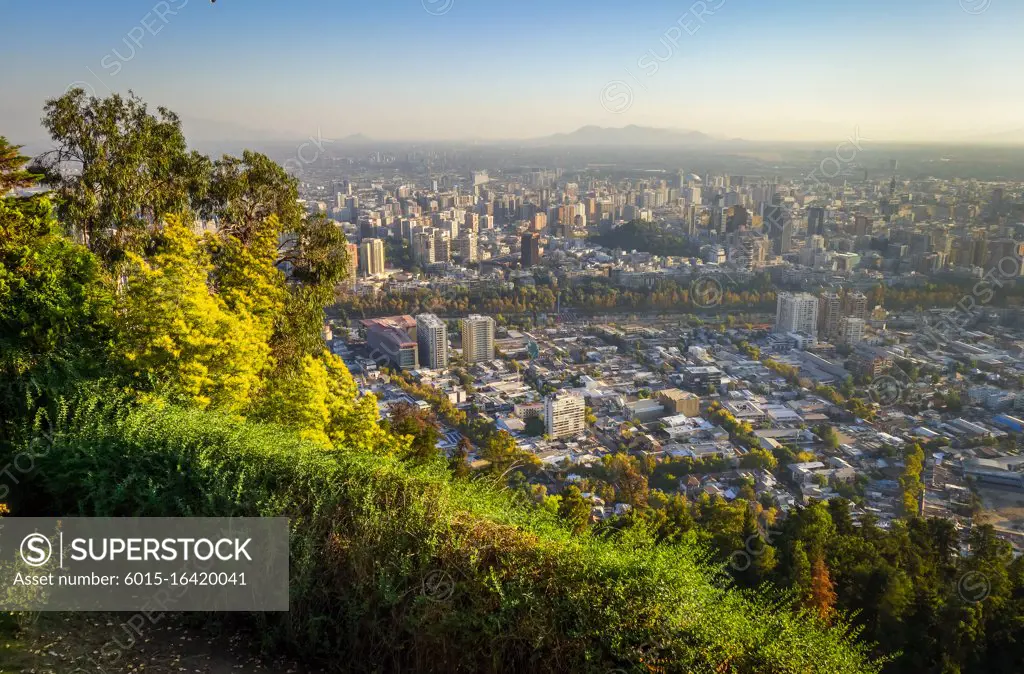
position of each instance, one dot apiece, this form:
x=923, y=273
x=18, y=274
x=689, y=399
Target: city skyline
x=455, y=70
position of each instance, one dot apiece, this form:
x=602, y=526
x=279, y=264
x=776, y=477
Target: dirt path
x=89, y=643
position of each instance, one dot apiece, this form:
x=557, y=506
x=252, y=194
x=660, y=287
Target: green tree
x=245, y=192
x=574, y=510
x=117, y=170
x=12, y=168
x=176, y=336
x=55, y=306
x=535, y=427
x=421, y=426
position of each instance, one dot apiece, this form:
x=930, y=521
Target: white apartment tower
x=564, y=415
x=432, y=338
x=477, y=338
x=851, y=330
x=797, y=312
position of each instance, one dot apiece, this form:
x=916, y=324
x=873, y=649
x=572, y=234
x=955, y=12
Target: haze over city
x=914, y=71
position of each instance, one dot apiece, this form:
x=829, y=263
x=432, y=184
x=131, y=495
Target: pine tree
x=823, y=593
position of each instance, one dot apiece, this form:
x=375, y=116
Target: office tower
x=432, y=338
x=530, y=253
x=466, y=247
x=353, y=264
x=862, y=225
x=690, y=219
x=851, y=331
x=857, y=305
x=797, y=312
x=829, y=313
x=815, y=220
x=371, y=257
x=477, y=338
x=564, y=415
x=778, y=225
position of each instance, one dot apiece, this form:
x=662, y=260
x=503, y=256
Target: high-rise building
x=778, y=225
x=862, y=225
x=815, y=220
x=857, y=305
x=564, y=415
x=530, y=249
x=353, y=264
x=371, y=257
x=432, y=338
x=466, y=247
x=423, y=247
x=829, y=313
x=539, y=222
x=797, y=312
x=442, y=246
x=477, y=338
x=851, y=330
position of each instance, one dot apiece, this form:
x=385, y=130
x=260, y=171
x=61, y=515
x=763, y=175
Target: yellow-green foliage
x=321, y=399
x=172, y=328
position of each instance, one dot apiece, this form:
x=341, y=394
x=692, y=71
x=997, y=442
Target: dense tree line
x=591, y=296
x=648, y=237
x=907, y=586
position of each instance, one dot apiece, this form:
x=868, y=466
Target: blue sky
x=761, y=69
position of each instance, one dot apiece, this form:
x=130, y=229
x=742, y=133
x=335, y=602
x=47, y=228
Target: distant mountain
x=1010, y=137
x=625, y=136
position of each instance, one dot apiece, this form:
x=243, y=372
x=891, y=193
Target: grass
x=396, y=567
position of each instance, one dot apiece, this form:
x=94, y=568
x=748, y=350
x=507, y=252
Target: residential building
x=477, y=338
x=432, y=338
x=564, y=415
x=371, y=257
x=679, y=402
x=796, y=312
x=857, y=305
x=353, y=264
x=530, y=249
x=466, y=246
x=851, y=330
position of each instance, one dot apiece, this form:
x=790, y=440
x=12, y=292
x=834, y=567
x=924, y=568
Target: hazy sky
x=942, y=70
